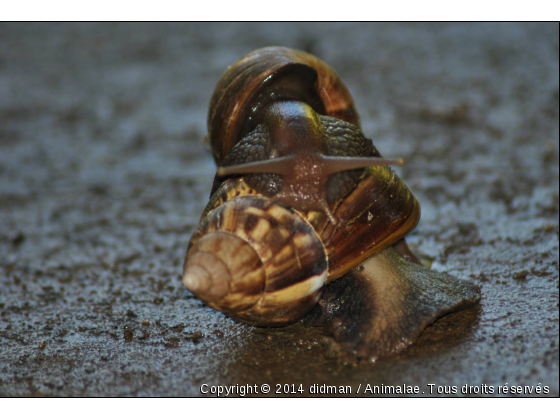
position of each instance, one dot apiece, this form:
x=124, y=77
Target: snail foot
x=385, y=306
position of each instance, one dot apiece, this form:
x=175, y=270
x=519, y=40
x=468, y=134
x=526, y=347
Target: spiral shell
x=267, y=75
x=257, y=262
x=265, y=263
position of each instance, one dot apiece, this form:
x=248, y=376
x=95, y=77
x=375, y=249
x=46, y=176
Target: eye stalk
x=306, y=152
x=305, y=177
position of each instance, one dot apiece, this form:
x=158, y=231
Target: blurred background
x=104, y=174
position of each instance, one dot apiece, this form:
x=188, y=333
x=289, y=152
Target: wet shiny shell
x=267, y=75
x=257, y=262
x=379, y=212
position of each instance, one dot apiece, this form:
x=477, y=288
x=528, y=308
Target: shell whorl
x=257, y=262
x=225, y=270
x=271, y=74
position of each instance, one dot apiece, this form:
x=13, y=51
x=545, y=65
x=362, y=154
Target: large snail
x=302, y=198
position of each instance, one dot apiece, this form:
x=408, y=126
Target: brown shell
x=267, y=75
x=379, y=212
x=272, y=257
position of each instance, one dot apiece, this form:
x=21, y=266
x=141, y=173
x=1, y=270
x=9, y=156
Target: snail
x=304, y=213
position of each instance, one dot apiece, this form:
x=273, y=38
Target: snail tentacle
x=335, y=164
x=284, y=165
x=280, y=166
x=308, y=151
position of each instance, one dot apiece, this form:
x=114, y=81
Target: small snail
x=302, y=198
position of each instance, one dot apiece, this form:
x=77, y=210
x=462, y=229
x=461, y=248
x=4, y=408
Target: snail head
x=302, y=159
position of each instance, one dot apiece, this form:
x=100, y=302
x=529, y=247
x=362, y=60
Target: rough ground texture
x=103, y=176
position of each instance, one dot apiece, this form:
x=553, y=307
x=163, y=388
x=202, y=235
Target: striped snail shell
x=257, y=262
x=302, y=198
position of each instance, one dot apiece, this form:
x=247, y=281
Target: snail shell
x=267, y=75
x=257, y=262
x=292, y=209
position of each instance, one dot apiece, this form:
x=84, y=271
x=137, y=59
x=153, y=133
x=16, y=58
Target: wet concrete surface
x=103, y=176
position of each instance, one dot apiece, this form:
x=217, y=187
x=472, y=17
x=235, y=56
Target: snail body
x=302, y=199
